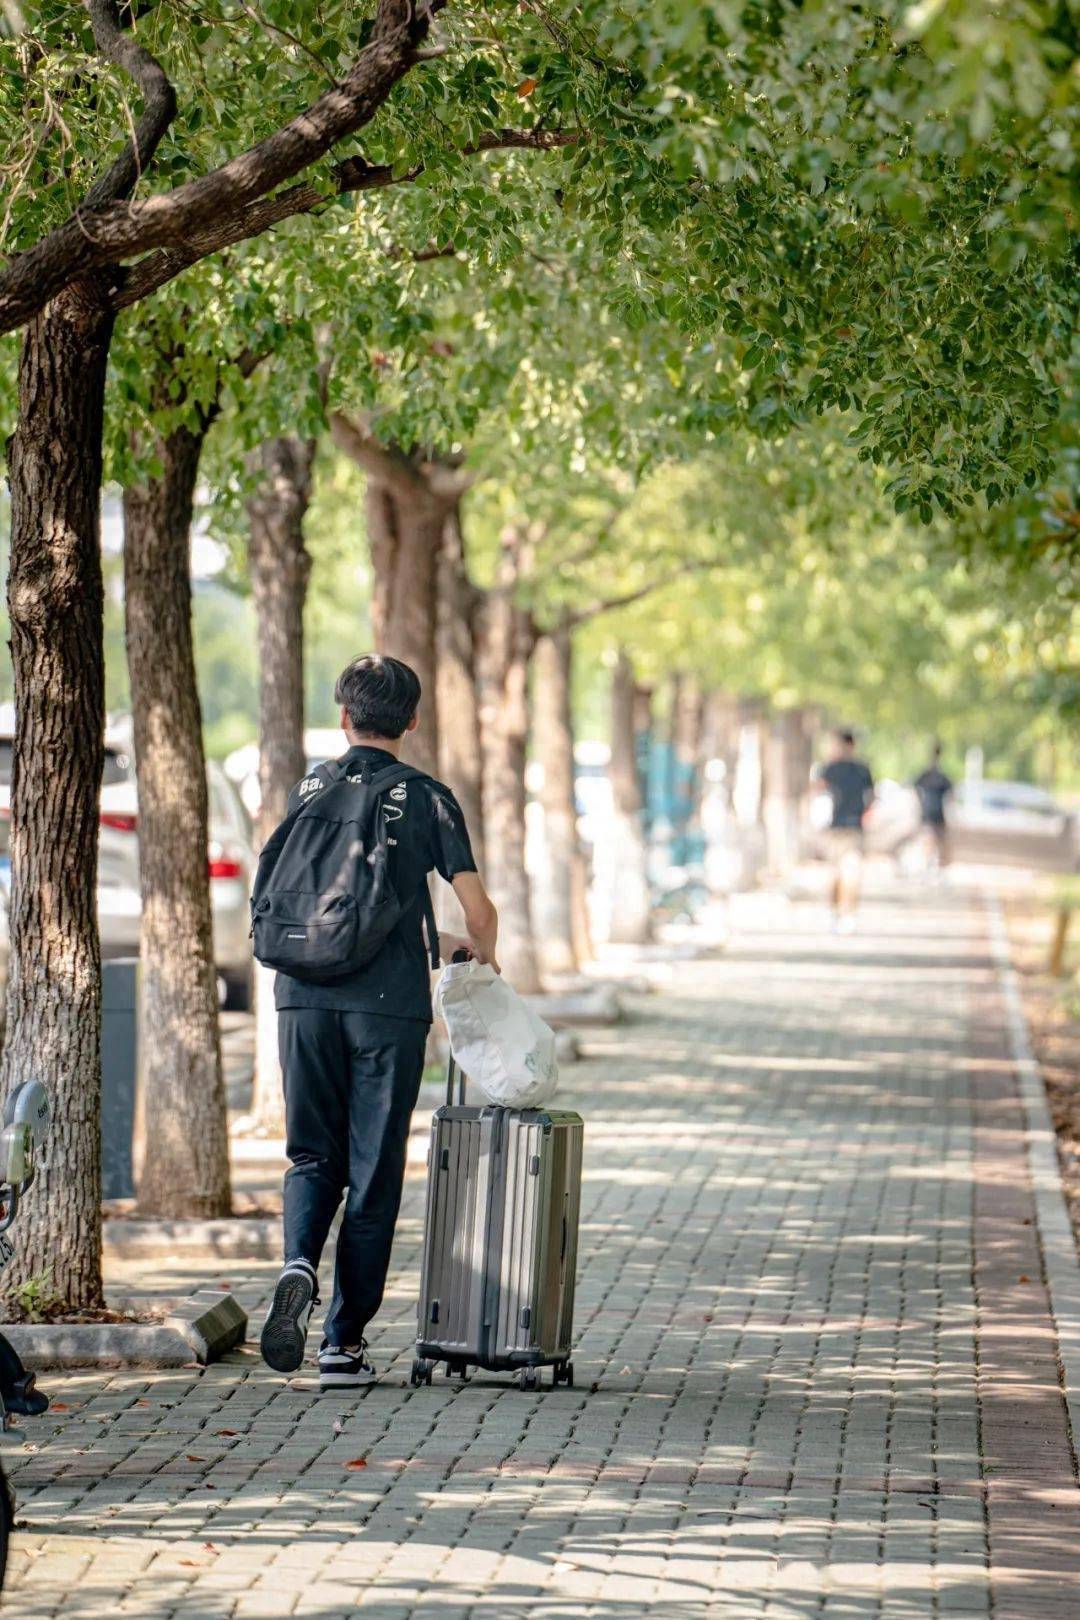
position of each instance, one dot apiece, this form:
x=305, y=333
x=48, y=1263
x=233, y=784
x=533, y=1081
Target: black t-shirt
x=933, y=788
x=850, y=784
x=428, y=834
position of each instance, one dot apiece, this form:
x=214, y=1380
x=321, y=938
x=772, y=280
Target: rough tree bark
x=186, y=1159
x=55, y=603
x=56, y=608
x=407, y=503
x=505, y=643
x=630, y=923
x=280, y=569
x=405, y=535
x=556, y=883
x=459, y=714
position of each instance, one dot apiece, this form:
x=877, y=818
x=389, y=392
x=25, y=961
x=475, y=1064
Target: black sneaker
x=345, y=1366
x=285, y=1329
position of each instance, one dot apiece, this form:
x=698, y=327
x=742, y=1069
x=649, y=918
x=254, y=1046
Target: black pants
x=351, y=1082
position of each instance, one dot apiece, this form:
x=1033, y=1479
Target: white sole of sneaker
x=345, y=1380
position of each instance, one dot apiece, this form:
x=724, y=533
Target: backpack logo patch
x=398, y=793
x=310, y=784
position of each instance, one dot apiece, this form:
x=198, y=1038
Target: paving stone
x=821, y=1387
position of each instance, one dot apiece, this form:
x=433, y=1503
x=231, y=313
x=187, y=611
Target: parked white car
x=230, y=854
x=1008, y=807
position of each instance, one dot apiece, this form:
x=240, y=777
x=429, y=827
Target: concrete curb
x=202, y=1329
x=211, y=1323
x=45, y=1345
x=1060, y=1261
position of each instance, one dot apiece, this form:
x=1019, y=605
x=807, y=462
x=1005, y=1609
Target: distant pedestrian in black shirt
x=352, y=1051
x=850, y=786
x=933, y=788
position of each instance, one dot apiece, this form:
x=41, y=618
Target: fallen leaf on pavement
x=191, y=1457
x=227, y=1434
x=357, y=1462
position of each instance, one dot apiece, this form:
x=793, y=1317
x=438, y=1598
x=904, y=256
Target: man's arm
x=481, y=918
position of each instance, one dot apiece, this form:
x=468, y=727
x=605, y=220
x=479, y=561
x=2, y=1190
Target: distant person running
x=850, y=786
x=933, y=788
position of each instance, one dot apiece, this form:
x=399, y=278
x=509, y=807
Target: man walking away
x=850, y=786
x=352, y=1046
x=933, y=788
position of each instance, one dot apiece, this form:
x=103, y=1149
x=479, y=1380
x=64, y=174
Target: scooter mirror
x=29, y=1105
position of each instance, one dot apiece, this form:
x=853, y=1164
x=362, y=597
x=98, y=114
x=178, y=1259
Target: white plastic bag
x=505, y=1048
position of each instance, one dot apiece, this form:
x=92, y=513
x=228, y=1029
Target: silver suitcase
x=500, y=1241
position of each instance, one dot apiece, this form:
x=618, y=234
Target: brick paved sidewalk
x=817, y=1369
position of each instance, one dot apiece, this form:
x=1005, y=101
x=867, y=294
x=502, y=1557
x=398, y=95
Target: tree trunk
x=787, y=758
x=504, y=647
x=630, y=892
x=56, y=605
x=186, y=1159
x=406, y=531
x=687, y=723
x=725, y=725
x=553, y=892
x=407, y=499
x=459, y=713
x=280, y=569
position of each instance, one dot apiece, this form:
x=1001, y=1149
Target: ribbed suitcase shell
x=500, y=1243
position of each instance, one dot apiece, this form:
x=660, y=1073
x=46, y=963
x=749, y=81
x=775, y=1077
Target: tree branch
x=159, y=103
x=571, y=620
x=380, y=461
x=100, y=235
x=351, y=175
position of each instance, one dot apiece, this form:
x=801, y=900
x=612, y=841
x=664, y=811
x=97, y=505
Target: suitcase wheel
x=421, y=1372
x=563, y=1373
x=529, y=1378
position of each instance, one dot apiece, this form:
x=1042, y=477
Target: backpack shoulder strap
x=391, y=775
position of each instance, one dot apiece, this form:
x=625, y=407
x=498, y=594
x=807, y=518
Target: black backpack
x=324, y=899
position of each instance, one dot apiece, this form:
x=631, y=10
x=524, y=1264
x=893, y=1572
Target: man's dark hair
x=845, y=736
x=379, y=694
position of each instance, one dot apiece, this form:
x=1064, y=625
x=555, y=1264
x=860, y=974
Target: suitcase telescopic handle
x=451, y=1067
x=452, y=1070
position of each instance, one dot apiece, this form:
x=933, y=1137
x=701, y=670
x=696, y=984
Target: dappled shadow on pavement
x=806, y=1385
